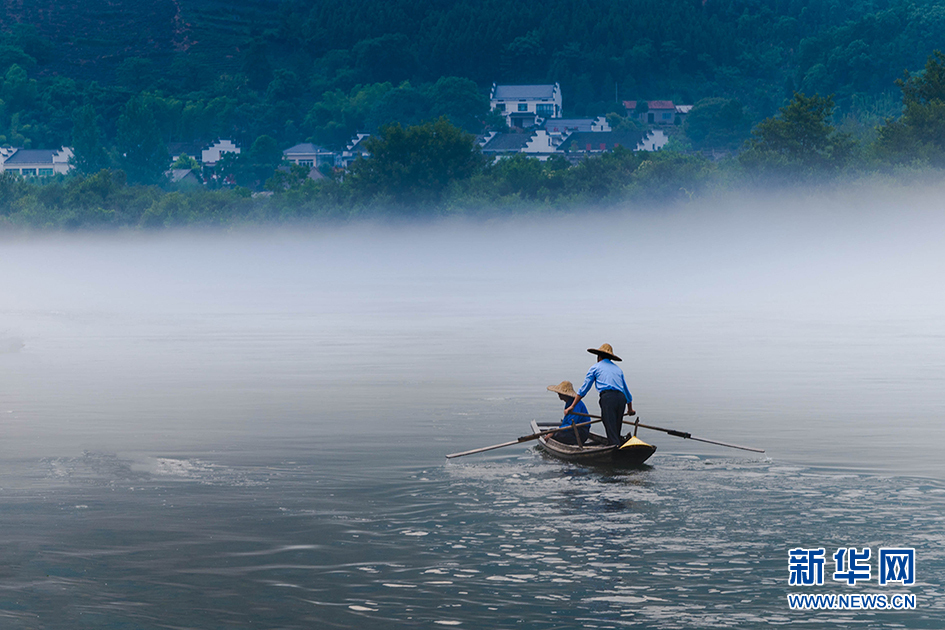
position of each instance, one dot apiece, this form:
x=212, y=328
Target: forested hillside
x=301, y=70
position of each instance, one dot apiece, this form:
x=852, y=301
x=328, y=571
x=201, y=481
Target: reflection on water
x=216, y=431
x=691, y=542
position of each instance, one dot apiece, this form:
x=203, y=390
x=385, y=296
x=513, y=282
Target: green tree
x=89, y=154
x=142, y=152
x=386, y=58
x=252, y=168
x=717, y=123
x=337, y=116
x=184, y=161
x=256, y=65
x=405, y=105
x=413, y=166
x=135, y=73
x=919, y=134
x=799, y=142
x=461, y=101
x=17, y=90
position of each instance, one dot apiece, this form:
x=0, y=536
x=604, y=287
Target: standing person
x=576, y=437
x=608, y=378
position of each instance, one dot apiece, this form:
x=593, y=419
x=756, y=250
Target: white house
x=653, y=112
x=682, y=112
x=560, y=128
x=36, y=162
x=538, y=144
x=206, y=154
x=308, y=154
x=212, y=153
x=655, y=140
x=564, y=126
x=523, y=105
x=586, y=142
x=355, y=149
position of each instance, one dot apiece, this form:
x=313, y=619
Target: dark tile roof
x=577, y=142
x=561, y=125
x=194, y=150
x=512, y=92
x=650, y=104
x=305, y=148
x=32, y=156
x=506, y=142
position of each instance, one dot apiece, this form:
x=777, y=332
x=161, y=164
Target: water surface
x=249, y=429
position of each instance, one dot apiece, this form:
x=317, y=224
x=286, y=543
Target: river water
x=248, y=429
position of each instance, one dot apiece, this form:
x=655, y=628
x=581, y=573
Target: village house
x=36, y=162
x=564, y=126
x=656, y=112
x=206, y=154
x=212, y=154
x=524, y=105
x=354, y=150
x=310, y=155
x=559, y=129
x=183, y=177
x=190, y=149
x=587, y=142
x=538, y=144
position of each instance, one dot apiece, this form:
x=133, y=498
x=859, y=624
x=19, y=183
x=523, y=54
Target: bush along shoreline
x=436, y=169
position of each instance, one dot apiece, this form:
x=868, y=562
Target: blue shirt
x=572, y=418
x=605, y=375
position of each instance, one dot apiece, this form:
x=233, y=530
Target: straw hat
x=564, y=387
x=606, y=351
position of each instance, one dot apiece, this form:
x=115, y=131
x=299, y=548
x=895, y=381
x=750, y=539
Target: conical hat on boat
x=564, y=387
x=606, y=351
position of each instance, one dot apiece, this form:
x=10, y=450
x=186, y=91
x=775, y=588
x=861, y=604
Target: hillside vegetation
x=789, y=91
x=298, y=69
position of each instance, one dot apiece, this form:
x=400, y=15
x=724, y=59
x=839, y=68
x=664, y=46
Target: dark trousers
x=567, y=435
x=612, y=406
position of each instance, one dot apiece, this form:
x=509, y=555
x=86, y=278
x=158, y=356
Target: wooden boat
x=596, y=450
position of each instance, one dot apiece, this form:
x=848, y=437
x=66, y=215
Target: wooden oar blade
x=524, y=438
x=683, y=434
x=482, y=450
x=744, y=448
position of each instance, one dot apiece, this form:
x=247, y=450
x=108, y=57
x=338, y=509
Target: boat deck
x=596, y=449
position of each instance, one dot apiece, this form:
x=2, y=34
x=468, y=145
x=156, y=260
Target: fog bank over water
x=810, y=325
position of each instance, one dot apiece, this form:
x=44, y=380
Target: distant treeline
x=301, y=71
x=436, y=168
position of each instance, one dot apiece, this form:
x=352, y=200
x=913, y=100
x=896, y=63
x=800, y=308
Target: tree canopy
x=414, y=166
x=800, y=142
x=919, y=135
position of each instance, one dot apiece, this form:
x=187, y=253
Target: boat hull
x=596, y=450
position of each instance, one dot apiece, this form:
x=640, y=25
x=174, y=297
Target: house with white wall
x=36, y=162
x=206, y=154
x=653, y=112
x=524, y=105
x=588, y=143
x=213, y=152
x=310, y=155
x=537, y=144
x=355, y=149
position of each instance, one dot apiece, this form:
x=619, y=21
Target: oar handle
x=682, y=434
x=524, y=438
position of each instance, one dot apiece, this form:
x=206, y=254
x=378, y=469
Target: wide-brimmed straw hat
x=564, y=387
x=606, y=351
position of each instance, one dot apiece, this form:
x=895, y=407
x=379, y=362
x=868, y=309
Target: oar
x=682, y=434
x=524, y=438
